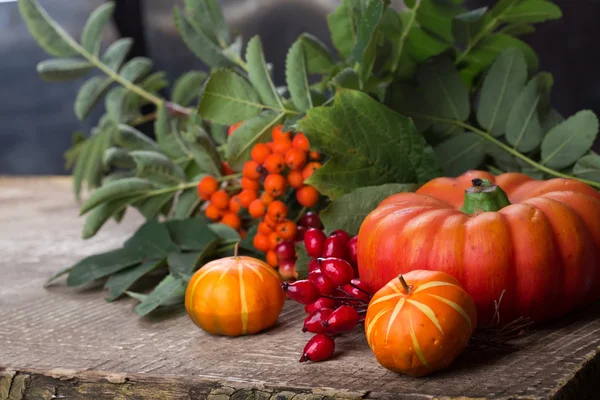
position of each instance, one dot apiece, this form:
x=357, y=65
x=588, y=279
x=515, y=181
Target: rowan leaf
x=117, y=53
x=98, y=216
x=187, y=87
x=302, y=261
x=131, y=139
x=153, y=164
x=150, y=207
x=89, y=168
x=92, y=31
x=167, y=288
x=530, y=11
x=63, y=69
x=203, y=151
x=206, y=16
x=191, y=233
x=136, y=69
x=115, y=190
x=461, y=153
x=342, y=28
x=89, y=95
x=346, y=78
x=437, y=16
x=466, y=25
x=258, y=74
x=225, y=232
x=50, y=36
x=187, y=203
x=366, y=37
x=101, y=265
x=318, y=57
x=588, y=167
x=152, y=240
x=182, y=265
x=118, y=283
x=296, y=75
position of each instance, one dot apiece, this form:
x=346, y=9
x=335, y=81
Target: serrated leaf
x=296, y=75
x=588, y=167
x=116, y=53
x=161, y=293
x=118, y=283
x=302, y=261
x=523, y=128
x=206, y=16
x=89, y=167
x=90, y=94
x=187, y=87
x=151, y=163
x=49, y=35
x=569, y=140
x=101, y=265
x=366, y=37
x=225, y=232
x=92, y=31
x=176, y=298
x=347, y=78
x=397, y=27
x=219, y=133
x=318, y=57
x=191, y=234
x=114, y=156
x=228, y=98
x=152, y=240
x=132, y=139
x=116, y=190
x=98, y=216
x=530, y=11
x=369, y=144
x=348, y=211
x=199, y=43
x=420, y=47
x=436, y=17
x=165, y=138
x=204, y=152
x=63, y=69
x=136, y=69
x=466, y=25
x=251, y=132
x=411, y=101
x=150, y=207
x=461, y=153
x=342, y=28
x=187, y=202
x=501, y=88
x=258, y=74
x=152, y=83
x=182, y=265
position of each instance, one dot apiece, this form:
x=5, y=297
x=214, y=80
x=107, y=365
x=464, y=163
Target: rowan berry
x=286, y=229
x=227, y=170
x=277, y=211
x=264, y=229
x=295, y=179
x=251, y=184
x=274, y=240
x=261, y=242
x=274, y=163
x=251, y=170
x=260, y=152
x=307, y=196
x=231, y=219
x=309, y=169
x=256, y=209
x=207, y=186
x=246, y=197
x=270, y=222
x=275, y=185
x=233, y=127
x=266, y=198
x=278, y=133
x=314, y=155
x=272, y=258
x=213, y=213
x=281, y=146
x=301, y=142
x=295, y=159
x=235, y=204
x=220, y=199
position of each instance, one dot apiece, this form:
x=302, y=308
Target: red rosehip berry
x=352, y=255
x=311, y=220
x=322, y=282
x=322, y=302
x=343, y=319
x=319, y=348
x=342, y=234
x=334, y=247
x=314, y=241
x=339, y=271
x=314, y=322
x=303, y=291
x=285, y=251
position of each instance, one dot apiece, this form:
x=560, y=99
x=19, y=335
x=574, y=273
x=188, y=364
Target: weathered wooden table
x=66, y=343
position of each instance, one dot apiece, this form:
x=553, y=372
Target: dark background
x=37, y=119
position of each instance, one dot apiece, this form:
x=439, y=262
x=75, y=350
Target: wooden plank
x=69, y=342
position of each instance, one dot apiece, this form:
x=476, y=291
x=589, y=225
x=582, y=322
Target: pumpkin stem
x=236, y=249
x=484, y=196
x=404, y=284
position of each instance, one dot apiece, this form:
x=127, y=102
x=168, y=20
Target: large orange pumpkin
x=543, y=250
x=234, y=296
x=419, y=322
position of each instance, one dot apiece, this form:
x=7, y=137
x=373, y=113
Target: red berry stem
x=349, y=299
x=361, y=289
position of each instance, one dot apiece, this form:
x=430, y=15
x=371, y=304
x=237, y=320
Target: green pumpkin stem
x=484, y=196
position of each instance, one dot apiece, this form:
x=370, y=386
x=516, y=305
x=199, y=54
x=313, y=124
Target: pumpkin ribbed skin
x=543, y=249
x=423, y=331
x=234, y=296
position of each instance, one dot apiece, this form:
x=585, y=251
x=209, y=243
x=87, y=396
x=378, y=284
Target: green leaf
x=206, y=16
x=116, y=53
x=101, y=265
x=588, y=167
x=90, y=94
x=102, y=213
x=318, y=57
x=182, y=265
x=523, y=128
x=258, y=74
x=63, y=69
x=136, y=69
x=500, y=90
x=302, y=261
x=296, y=75
x=151, y=163
x=116, y=190
x=420, y=47
x=132, y=139
x=49, y=35
x=348, y=211
x=188, y=87
x=347, y=78
x=152, y=83
x=114, y=156
x=219, y=133
x=466, y=25
x=369, y=144
x=366, y=37
x=342, y=28
x=461, y=153
x=225, y=232
x=92, y=31
x=531, y=11
x=228, y=98
x=72, y=154
x=569, y=140
x=150, y=207
x=517, y=29
x=166, y=139
x=437, y=16
x=187, y=202
x=192, y=234
x=161, y=293
x=199, y=43
x=251, y=132
x=89, y=167
x=118, y=283
x=551, y=119
x=152, y=240
x=176, y=298
x=204, y=152
x=114, y=103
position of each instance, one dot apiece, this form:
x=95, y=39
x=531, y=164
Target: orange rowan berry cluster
x=220, y=206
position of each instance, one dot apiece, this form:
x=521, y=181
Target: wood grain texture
x=71, y=343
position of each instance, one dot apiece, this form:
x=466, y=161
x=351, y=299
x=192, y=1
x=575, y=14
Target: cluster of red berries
x=334, y=298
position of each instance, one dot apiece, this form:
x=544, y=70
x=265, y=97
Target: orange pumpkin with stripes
x=419, y=322
x=234, y=296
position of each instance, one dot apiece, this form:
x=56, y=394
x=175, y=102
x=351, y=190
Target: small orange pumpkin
x=234, y=296
x=419, y=322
